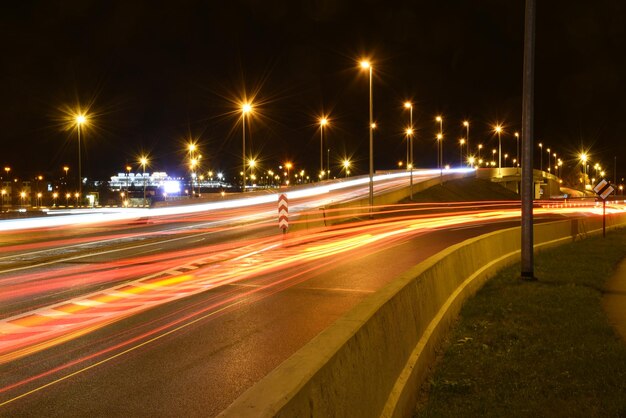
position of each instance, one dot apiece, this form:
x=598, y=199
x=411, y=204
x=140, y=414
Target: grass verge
x=541, y=349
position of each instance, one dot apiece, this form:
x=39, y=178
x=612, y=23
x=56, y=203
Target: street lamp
x=540, y=156
x=323, y=122
x=409, y=138
x=548, y=150
x=517, y=152
x=498, y=129
x=54, y=198
x=366, y=65
x=461, y=143
x=467, y=124
x=80, y=119
x=252, y=164
x=583, y=159
x=246, y=108
x=480, y=147
x=439, y=140
x=440, y=144
x=143, y=161
x=346, y=166
x=409, y=147
x=288, y=167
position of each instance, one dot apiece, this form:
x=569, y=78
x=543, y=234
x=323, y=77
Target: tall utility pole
x=527, y=265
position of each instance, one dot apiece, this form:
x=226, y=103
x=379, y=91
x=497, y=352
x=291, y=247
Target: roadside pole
x=283, y=212
x=527, y=262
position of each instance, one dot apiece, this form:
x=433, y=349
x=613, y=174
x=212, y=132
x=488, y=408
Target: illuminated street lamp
x=517, y=152
x=467, y=126
x=23, y=196
x=498, y=129
x=346, y=167
x=440, y=143
x=366, y=65
x=548, y=150
x=583, y=159
x=80, y=120
x=540, y=157
x=143, y=161
x=246, y=109
x=323, y=122
x=54, y=198
x=288, y=167
x=409, y=138
x=409, y=146
x=461, y=143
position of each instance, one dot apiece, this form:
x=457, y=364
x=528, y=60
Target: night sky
x=155, y=74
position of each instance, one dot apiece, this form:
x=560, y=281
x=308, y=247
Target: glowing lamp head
x=80, y=119
x=583, y=157
x=323, y=121
x=143, y=161
x=346, y=163
x=498, y=129
x=408, y=105
x=409, y=131
x=365, y=64
x=438, y=118
x=439, y=137
x=465, y=123
x=246, y=108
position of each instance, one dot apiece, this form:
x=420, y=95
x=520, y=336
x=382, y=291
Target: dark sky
x=154, y=74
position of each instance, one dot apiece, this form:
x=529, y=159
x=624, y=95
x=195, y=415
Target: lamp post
x=246, y=108
x=7, y=170
x=540, y=156
x=517, y=148
x=461, y=143
x=480, y=147
x=288, y=166
x=128, y=168
x=143, y=161
x=323, y=122
x=409, y=138
x=54, y=198
x=366, y=65
x=409, y=146
x=548, y=150
x=498, y=129
x=346, y=166
x=80, y=120
x=440, y=143
x=467, y=124
x=583, y=159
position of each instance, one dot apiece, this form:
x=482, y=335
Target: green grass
x=466, y=189
x=536, y=349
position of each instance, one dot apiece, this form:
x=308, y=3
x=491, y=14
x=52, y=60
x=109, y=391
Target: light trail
x=183, y=273
x=79, y=217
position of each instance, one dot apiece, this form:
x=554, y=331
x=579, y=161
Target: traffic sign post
x=283, y=212
x=603, y=190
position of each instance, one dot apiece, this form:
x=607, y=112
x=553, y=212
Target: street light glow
x=365, y=64
x=246, y=108
x=80, y=119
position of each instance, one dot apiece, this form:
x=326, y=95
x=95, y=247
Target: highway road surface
x=178, y=314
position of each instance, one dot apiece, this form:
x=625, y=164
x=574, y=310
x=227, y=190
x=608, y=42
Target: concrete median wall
x=370, y=362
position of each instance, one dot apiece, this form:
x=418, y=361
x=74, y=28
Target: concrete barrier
x=370, y=362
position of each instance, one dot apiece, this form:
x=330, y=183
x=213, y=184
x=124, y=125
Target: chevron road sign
x=283, y=212
x=603, y=189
